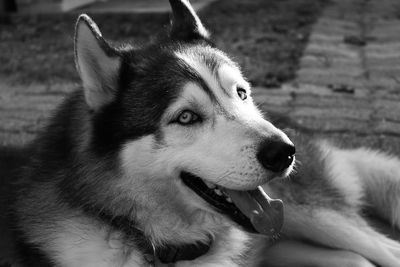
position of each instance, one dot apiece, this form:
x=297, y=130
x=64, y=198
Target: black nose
x=275, y=154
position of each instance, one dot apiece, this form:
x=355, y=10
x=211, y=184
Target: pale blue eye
x=187, y=117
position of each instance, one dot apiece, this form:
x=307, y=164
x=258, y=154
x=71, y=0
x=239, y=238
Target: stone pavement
x=114, y=6
x=348, y=85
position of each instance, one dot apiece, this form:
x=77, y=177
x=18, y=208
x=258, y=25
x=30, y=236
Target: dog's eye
x=241, y=93
x=187, y=117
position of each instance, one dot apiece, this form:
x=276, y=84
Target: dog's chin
x=251, y=209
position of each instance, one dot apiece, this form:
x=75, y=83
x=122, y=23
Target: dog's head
x=188, y=136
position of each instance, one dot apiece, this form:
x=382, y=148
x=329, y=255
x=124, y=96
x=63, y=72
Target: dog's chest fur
x=87, y=244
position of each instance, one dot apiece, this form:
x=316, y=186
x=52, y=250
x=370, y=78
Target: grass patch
x=266, y=37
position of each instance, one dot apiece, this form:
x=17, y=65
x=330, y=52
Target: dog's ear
x=186, y=25
x=97, y=62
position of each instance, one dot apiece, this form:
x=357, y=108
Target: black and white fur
x=116, y=148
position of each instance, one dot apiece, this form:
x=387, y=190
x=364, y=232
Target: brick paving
x=348, y=84
x=24, y=109
x=347, y=87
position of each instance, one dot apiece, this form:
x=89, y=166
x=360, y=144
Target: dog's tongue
x=265, y=213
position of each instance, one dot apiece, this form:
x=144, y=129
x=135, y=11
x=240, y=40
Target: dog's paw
x=391, y=249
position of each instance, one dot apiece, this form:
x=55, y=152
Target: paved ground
x=348, y=86
x=118, y=6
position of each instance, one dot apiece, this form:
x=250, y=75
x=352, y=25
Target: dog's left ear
x=186, y=25
x=97, y=62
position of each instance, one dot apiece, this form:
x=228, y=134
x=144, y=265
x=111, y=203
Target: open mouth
x=253, y=209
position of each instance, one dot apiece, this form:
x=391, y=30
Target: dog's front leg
x=341, y=230
x=288, y=253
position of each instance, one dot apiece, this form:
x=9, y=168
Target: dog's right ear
x=186, y=25
x=97, y=62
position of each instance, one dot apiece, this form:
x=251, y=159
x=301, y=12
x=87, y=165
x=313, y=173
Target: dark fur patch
x=185, y=24
x=30, y=255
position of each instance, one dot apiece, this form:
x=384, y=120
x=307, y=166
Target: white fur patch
x=193, y=61
x=361, y=173
x=379, y=178
x=342, y=173
x=231, y=78
x=77, y=244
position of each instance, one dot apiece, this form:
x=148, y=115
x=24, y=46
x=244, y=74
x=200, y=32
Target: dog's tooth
x=218, y=192
x=210, y=185
x=228, y=199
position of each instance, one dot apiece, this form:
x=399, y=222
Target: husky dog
x=160, y=158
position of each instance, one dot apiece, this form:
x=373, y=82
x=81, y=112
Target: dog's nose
x=275, y=154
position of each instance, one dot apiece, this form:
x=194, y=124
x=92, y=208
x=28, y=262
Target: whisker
x=224, y=175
